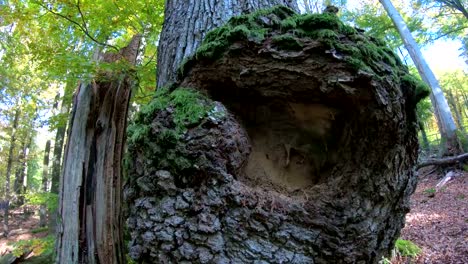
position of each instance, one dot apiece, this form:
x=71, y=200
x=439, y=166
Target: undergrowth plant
x=406, y=248
x=38, y=246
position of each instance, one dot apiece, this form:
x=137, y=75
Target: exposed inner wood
x=289, y=144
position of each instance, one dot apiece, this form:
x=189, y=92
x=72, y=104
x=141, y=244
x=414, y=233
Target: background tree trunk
x=90, y=224
x=448, y=128
x=425, y=140
x=8, y=173
x=455, y=109
x=186, y=24
x=58, y=151
x=20, y=173
x=45, y=181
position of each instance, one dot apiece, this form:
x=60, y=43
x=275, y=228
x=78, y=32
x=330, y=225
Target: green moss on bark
x=287, y=42
x=286, y=30
x=417, y=88
x=182, y=109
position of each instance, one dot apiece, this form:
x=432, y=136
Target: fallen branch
x=446, y=161
x=448, y=177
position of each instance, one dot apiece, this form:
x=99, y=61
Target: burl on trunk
x=287, y=139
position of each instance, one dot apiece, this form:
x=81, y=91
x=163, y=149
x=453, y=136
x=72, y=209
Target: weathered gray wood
x=57, y=156
x=90, y=224
x=187, y=22
x=447, y=125
x=72, y=179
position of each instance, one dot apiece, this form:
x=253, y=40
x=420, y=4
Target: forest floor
x=438, y=221
x=22, y=227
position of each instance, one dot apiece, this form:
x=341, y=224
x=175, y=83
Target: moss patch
x=287, y=42
x=161, y=125
x=286, y=30
x=407, y=248
x=417, y=89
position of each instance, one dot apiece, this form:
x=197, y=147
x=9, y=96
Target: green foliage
x=465, y=167
x=430, y=192
x=448, y=19
x=407, y=248
x=463, y=138
x=385, y=261
x=39, y=246
x=50, y=200
x=371, y=16
x=39, y=230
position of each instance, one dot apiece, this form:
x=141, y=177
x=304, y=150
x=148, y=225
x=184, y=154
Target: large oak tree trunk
x=90, y=224
x=299, y=149
x=187, y=22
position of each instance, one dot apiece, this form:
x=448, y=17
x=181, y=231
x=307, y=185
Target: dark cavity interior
x=294, y=144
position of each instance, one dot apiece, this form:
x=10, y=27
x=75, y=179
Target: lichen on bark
x=302, y=152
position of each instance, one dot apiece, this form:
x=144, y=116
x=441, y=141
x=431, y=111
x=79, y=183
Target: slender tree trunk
x=25, y=172
x=19, y=186
x=465, y=102
x=8, y=173
x=58, y=151
x=438, y=99
x=451, y=100
x=187, y=22
x=90, y=224
x=424, y=136
x=460, y=105
x=45, y=180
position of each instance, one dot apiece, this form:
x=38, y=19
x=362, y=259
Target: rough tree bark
x=447, y=127
x=90, y=223
x=299, y=148
x=187, y=22
x=45, y=180
x=8, y=172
